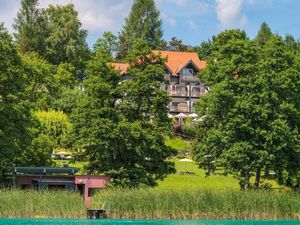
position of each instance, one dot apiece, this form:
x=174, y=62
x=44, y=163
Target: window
x=187, y=72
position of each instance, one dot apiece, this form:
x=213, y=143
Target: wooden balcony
x=179, y=109
x=189, y=79
x=179, y=93
x=196, y=94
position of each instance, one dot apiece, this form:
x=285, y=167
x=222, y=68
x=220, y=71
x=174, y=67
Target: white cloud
x=176, y=2
x=168, y=19
x=8, y=11
x=192, y=25
x=230, y=14
x=202, y=7
x=96, y=16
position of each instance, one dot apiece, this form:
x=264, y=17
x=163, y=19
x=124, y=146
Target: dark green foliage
x=66, y=41
x=68, y=99
x=120, y=126
x=108, y=42
x=15, y=134
x=31, y=28
x=291, y=43
x=251, y=114
x=40, y=85
x=177, y=45
x=54, y=33
x=205, y=49
x=144, y=23
x=264, y=34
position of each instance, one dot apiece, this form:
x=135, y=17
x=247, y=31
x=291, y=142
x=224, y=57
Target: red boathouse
x=41, y=178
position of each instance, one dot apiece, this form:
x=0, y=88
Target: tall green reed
x=16, y=203
x=198, y=204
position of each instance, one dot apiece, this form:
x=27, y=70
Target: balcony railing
x=196, y=94
x=179, y=109
x=179, y=93
x=192, y=79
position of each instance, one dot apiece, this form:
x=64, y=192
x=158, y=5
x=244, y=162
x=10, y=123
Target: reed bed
x=16, y=203
x=198, y=204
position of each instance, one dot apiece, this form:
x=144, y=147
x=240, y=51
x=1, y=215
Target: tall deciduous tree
x=144, y=23
x=66, y=42
x=108, y=42
x=251, y=114
x=40, y=85
x=120, y=126
x=15, y=134
x=31, y=28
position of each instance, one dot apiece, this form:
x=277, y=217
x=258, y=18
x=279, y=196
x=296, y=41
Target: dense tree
x=56, y=126
x=108, y=42
x=205, y=49
x=38, y=73
x=120, y=125
x=177, y=45
x=52, y=131
x=248, y=109
x=144, y=23
x=279, y=69
x=66, y=41
x=291, y=43
x=16, y=121
x=30, y=27
x=264, y=34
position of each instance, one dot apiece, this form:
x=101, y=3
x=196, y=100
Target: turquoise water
x=140, y=222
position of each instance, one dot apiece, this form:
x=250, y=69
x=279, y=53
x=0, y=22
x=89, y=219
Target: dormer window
x=187, y=72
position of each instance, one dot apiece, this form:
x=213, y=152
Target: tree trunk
x=267, y=171
x=257, y=178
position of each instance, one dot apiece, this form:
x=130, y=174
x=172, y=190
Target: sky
x=192, y=21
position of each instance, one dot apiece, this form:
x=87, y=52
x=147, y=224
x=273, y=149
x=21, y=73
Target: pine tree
x=144, y=23
x=264, y=34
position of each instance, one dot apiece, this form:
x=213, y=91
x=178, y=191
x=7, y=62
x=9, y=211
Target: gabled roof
x=176, y=61
x=121, y=67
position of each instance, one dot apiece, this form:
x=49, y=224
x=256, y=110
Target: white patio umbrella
x=193, y=115
x=180, y=115
x=170, y=116
x=186, y=160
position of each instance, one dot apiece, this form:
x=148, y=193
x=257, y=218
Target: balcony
x=196, y=94
x=190, y=79
x=180, y=109
x=179, y=93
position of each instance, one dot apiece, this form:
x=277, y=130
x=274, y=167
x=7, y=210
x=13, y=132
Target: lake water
x=139, y=222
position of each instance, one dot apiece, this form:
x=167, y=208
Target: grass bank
x=199, y=204
x=43, y=204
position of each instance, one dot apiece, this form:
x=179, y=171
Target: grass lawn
x=196, y=180
x=178, y=143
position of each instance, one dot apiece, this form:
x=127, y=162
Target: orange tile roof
x=176, y=61
x=121, y=67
